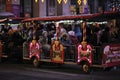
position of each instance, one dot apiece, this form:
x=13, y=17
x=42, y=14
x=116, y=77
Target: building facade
x=43, y=8
x=12, y=6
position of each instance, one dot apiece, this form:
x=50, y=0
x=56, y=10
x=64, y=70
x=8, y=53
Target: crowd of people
x=69, y=34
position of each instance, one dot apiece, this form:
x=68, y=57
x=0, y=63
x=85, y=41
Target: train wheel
x=86, y=68
x=35, y=62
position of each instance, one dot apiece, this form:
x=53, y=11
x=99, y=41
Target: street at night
x=14, y=71
x=59, y=39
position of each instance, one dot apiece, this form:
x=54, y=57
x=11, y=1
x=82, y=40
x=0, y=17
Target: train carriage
x=91, y=50
x=10, y=41
x=85, y=53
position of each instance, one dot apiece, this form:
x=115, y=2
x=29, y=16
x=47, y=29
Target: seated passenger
x=65, y=40
x=45, y=46
x=45, y=37
x=78, y=32
x=73, y=38
x=105, y=37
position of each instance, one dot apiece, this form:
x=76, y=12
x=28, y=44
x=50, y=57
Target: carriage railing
x=97, y=55
x=25, y=49
x=70, y=53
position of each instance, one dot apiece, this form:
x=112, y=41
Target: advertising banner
x=112, y=54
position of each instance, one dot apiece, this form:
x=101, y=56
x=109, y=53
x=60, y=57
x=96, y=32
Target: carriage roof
x=89, y=17
x=12, y=20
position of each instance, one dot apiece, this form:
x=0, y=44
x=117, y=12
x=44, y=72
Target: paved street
x=14, y=71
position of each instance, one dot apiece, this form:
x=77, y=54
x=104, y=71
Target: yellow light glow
x=65, y=1
x=36, y=1
x=79, y=2
x=85, y=2
x=42, y=1
x=59, y=1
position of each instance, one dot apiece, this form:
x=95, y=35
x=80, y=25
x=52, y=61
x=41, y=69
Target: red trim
x=54, y=61
x=36, y=54
x=17, y=18
x=12, y=18
x=84, y=58
x=57, y=18
x=111, y=64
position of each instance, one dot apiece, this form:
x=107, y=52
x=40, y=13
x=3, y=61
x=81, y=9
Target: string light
x=36, y=1
x=65, y=1
x=42, y=1
x=79, y=2
x=85, y=2
x=59, y=1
